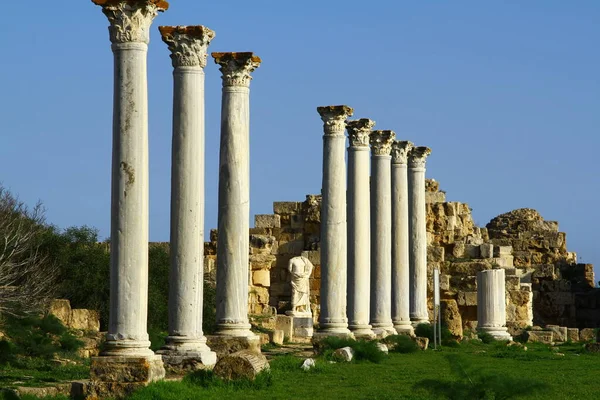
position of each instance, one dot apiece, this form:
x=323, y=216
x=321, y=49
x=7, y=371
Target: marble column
x=359, y=262
x=129, y=29
x=234, y=194
x=333, y=320
x=188, y=46
x=417, y=218
x=400, y=239
x=381, y=232
x=491, y=303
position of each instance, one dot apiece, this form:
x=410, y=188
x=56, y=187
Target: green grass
x=475, y=370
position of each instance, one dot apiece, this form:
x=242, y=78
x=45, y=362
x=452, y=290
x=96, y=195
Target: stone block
x=243, y=364
x=467, y=298
x=87, y=320
x=127, y=369
x=258, y=295
x=546, y=271
x=513, y=282
x=444, y=282
x=314, y=256
x=472, y=251
x=303, y=327
x=435, y=254
x=276, y=336
x=422, y=342
x=267, y=221
x=262, y=261
x=286, y=207
x=451, y=317
x=458, y=250
x=500, y=251
x=559, y=332
x=294, y=247
x=285, y=323
x=545, y=337
x=435, y=197
x=61, y=309
x=573, y=334
x=486, y=250
x=469, y=268
x=345, y=354
x=224, y=345
x=587, y=335
x=261, y=277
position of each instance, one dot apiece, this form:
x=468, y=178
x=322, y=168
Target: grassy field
x=471, y=371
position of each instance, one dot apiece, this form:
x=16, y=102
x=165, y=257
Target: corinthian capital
x=417, y=156
x=358, y=131
x=236, y=67
x=400, y=150
x=188, y=44
x=334, y=118
x=381, y=142
x=130, y=20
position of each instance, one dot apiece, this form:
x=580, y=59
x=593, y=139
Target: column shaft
x=359, y=263
x=400, y=239
x=381, y=233
x=491, y=303
x=418, y=236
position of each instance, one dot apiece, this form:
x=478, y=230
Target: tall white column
x=418, y=235
x=234, y=194
x=491, y=303
x=359, y=262
x=333, y=320
x=381, y=232
x=130, y=23
x=400, y=239
x=188, y=46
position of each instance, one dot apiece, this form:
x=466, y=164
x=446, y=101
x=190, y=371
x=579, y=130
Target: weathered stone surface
x=344, y=354
x=276, y=336
x=87, y=320
x=513, y=283
x=267, y=221
x=61, y=309
x=559, y=332
x=573, y=334
x=587, y=335
x=127, y=369
x=285, y=323
x=451, y=317
x=467, y=298
x=545, y=337
x=224, y=345
x=261, y=278
x=244, y=364
x=422, y=342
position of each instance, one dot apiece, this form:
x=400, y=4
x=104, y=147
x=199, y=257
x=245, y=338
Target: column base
x=234, y=330
x=224, y=345
x=404, y=328
x=362, y=331
x=499, y=333
x=383, y=329
x=302, y=324
x=181, y=355
x=418, y=321
x=127, y=348
x=118, y=377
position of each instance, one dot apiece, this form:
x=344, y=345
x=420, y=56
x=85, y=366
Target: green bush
x=363, y=350
x=207, y=379
x=486, y=337
x=426, y=330
x=401, y=344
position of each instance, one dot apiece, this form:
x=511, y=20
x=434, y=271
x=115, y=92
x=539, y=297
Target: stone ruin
x=544, y=283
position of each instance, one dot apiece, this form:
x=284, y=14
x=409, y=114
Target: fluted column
x=400, y=239
x=381, y=232
x=234, y=194
x=359, y=262
x=130, y=23
x=491, y=303
x=188, y=46
x=333, y=320
x=418, y=235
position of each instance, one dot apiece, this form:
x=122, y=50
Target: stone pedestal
x=302, y=324
x=418, y=235
x=400, y=239
x=491, y=303
x=234, y=194
x=224, y=345
x=359, y=262
x=381, y=232
x=185, y=347
x=127, y=358
x=333, y=321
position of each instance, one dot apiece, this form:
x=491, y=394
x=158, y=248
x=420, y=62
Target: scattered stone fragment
x=243, y=364
x=383, y=348
x=422, y=342
x=308, y=364
x=344, y=354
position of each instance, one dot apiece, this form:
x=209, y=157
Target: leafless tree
x=27, y=277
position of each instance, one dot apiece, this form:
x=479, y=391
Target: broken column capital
x=417, y=156
x=400, y=150
x=381, y=142
x=130, y=20
x=188, y=44
x=334, y=119
x=237, y=67
x=358, y=131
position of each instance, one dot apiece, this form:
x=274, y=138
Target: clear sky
x=506, y=93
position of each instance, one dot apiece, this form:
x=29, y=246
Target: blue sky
x=506, y=93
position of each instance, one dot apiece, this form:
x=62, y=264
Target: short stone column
x=186, y=345
x=333, y=320
x=129, y=33
x=491, y=303
x=234, y=194
x=381, y=232
x=359, y=262
x=400, y=239
x=417, y=218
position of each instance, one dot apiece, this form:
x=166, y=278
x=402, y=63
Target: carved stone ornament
x=358, y=131
x=237, y=67
x=400, y=150
x=381, y=142
x=334, y=118
x=130, y=20
x=417, y=156
x=188, y=44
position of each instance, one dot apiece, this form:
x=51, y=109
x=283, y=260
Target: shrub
x=401, y=344
x=363, y=349
x=207, y=379
x=486, y=337
x=426, y=330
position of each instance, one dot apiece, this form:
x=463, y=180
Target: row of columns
x=127, y=336
x=383, y=249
